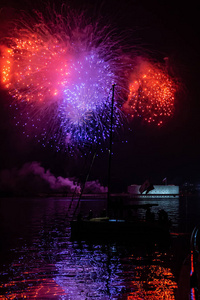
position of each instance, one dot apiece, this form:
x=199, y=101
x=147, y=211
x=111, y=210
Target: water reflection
x=90, y=271
x=45, y=288
x=45, y=264
x=101, y=273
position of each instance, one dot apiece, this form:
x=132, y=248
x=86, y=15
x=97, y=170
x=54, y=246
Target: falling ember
x=60, y=73
x=151, y=93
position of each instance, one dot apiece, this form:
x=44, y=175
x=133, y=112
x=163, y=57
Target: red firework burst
x=151, y=93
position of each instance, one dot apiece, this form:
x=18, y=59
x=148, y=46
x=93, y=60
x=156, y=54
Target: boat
x=105, y=229
x=129, y=228
x=189, y=280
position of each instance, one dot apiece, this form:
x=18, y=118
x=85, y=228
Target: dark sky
x=173, y=151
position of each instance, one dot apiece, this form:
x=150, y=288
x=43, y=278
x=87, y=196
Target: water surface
x=38, y=260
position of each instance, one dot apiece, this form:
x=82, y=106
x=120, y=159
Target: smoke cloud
x=33, y=179
x=94, y=187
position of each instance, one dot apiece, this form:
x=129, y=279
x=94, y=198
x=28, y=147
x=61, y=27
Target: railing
x=194, y=253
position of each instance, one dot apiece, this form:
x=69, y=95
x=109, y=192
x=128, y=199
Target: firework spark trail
x=60, y=71
x=60, y=74
x=151, y=93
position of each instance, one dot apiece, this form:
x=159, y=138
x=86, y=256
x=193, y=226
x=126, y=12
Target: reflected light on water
x=37, y=289
x=102, y=275
x=90, y=273
x=47, y=265
x=93, y=272
x=159, y=285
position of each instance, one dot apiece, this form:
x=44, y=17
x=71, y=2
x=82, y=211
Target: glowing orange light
x=41, y=289
x=158, y=285
x=151, y=93
x=25, y=64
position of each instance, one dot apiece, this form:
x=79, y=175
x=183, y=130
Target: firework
x=60, y=74
x=151, y=93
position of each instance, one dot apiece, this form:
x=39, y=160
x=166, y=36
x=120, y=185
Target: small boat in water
x=128, y=229
x=106, y=229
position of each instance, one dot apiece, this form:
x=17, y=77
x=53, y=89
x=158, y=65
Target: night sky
x=160, y=30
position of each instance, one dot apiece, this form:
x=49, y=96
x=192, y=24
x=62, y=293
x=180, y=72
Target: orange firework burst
x=59, y=72
x=151, y=94
x=30, y=67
